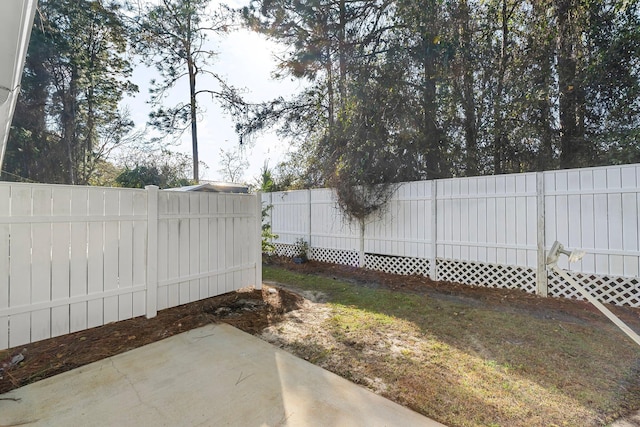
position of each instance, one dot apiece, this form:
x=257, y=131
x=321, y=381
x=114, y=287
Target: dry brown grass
x=466, y=359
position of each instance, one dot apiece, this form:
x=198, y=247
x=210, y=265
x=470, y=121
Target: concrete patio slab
x=212, y=376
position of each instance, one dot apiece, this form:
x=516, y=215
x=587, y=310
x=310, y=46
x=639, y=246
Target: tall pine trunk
x=499, y=133
x=430, y=131
x=69, y=125
x=468, y=86
x=342, y=53
x=571, y=132
x=193, y=111
x=429, y=127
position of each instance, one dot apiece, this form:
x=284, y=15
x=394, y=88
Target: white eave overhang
x=16, y=20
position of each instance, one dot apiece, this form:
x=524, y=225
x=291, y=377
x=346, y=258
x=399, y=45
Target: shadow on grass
x=502, y=365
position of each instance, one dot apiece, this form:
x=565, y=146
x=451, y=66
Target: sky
x=246, y=59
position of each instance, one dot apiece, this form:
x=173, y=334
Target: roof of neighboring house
x=16, y=20
x=214, y=187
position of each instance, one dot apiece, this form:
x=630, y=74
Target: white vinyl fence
x=489, y=231
x=73, y=258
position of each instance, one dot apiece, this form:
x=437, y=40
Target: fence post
x=433, y=273
x=152, y=251
x=309, y=217
x=258, y=231
x=541, y=271
x=361, y=256
x=270, y=213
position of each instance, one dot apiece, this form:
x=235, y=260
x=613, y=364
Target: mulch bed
x=249, y=310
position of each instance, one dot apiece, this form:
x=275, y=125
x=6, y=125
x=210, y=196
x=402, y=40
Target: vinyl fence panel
x=60, y=247
x=596, y=210
x=5, y=230
x=489, y=231
x=205, y=245
x=73, y=258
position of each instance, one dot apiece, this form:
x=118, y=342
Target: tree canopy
x=67, y=116
x=395, y=90
x=404, y=90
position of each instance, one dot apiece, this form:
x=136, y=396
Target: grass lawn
x=466, y=361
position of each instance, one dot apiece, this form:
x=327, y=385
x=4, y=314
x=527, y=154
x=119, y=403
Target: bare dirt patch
x=463, y=355
x=247, y=309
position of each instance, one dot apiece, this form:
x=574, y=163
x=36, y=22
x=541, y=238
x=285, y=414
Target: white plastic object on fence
x=574, y=256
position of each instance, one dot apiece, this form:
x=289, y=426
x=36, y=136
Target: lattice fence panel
x=335, y=256
x=284, y=249
x=608, y=289
x=397, y=265
x=489, y=275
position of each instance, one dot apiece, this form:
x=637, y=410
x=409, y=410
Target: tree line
x=67, y=116
x=69, y=121
x=434, y=88
x=395, y=90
